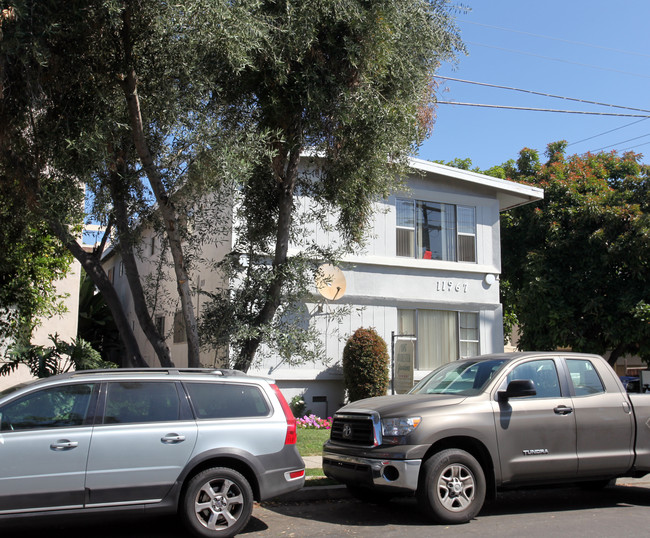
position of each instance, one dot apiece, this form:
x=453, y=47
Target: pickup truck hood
x=402, y=404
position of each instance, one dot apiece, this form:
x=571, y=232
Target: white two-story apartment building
x=427, y=282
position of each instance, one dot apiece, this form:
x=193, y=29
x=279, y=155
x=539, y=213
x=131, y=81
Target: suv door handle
x=563, y=410
x=63, y=444
x=173, y=438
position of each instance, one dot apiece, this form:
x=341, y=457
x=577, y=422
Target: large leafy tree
x=155, y=102
x=577, y=264
x=349, y=82
x=119, y=95
x=32, y=259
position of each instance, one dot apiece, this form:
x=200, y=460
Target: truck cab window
x=542, y=373
x=584, y=377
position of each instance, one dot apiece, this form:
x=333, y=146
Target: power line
x=623, y=142
x=540, y=93
x=635, y=146
x=607, y=132
x=622, y=150
x=559, y=60
x=558, y=39
x=529, y=109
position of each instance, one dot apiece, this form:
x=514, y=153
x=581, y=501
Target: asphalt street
x=621, y=510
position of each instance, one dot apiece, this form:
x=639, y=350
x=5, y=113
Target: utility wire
x=623, y=142
x=629, y=148
x=556, y=39
x=540, y=93
x=558, y=59
x=545, y=110
x=607, y=132
x=635, y=146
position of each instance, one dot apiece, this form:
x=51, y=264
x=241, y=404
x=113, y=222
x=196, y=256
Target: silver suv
x=201, y=442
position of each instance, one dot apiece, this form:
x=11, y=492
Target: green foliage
x=298, y=406
x=69, y=118
x=57, y=359
x=466, y=164
x=347, y=82
x=96, y=325
x=167, y=101
x=365, y=365
x=32, y=261
x=576, y=266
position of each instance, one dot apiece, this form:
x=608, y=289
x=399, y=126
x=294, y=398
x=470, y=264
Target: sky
x=588, y=50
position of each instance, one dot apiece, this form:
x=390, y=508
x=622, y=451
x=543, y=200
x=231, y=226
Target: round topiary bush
x=365, y=365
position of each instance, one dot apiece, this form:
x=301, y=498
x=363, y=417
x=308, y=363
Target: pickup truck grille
x=353, y=430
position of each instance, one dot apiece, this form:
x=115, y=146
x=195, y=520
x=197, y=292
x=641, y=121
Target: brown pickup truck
x=478, y=425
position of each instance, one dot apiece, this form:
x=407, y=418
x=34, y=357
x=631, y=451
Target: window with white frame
x=435, y=231
x=442, y=335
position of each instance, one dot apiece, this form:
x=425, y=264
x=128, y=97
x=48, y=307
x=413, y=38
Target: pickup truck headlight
x=399, y=427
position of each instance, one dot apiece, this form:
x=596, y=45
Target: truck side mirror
x=518, y=388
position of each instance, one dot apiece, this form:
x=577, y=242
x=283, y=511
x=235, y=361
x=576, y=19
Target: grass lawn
x=310, y=441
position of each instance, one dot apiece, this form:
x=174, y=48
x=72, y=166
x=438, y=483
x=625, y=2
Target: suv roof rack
x=162, y=371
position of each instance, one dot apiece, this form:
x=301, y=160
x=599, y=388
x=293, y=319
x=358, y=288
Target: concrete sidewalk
x=313, y=462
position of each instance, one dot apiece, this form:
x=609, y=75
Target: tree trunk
x=286, y=177
x=166, y=207
x=615, y=355
x=125, y=246
x=96, y=272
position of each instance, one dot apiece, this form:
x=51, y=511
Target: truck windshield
x=465, y=378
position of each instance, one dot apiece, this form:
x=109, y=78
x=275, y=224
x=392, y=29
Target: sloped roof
x=509, y=193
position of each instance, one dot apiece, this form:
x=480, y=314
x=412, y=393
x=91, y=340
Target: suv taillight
x=292, y=434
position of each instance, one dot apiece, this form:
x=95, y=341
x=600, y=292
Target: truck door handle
x=63, y=444
x=173, y=438
x=563, y=410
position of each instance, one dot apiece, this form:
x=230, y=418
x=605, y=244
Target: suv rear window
x=221, y=400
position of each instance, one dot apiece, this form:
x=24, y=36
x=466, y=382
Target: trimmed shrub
x=365, y=365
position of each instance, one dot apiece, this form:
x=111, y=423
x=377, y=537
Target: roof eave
x=509, y=193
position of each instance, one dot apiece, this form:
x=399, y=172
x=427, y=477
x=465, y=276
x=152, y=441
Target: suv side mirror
x=518, y=388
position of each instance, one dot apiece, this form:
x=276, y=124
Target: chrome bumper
x=402, y=474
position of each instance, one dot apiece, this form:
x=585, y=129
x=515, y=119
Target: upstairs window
x=436, y=231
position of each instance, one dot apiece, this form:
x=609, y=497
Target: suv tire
x=218, y=503
x=452, y=489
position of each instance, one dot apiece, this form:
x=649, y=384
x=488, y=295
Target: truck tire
x=452, y=488
x=218, y=503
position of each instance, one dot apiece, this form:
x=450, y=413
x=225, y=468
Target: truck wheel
x=218, y=503
x=452, y=489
